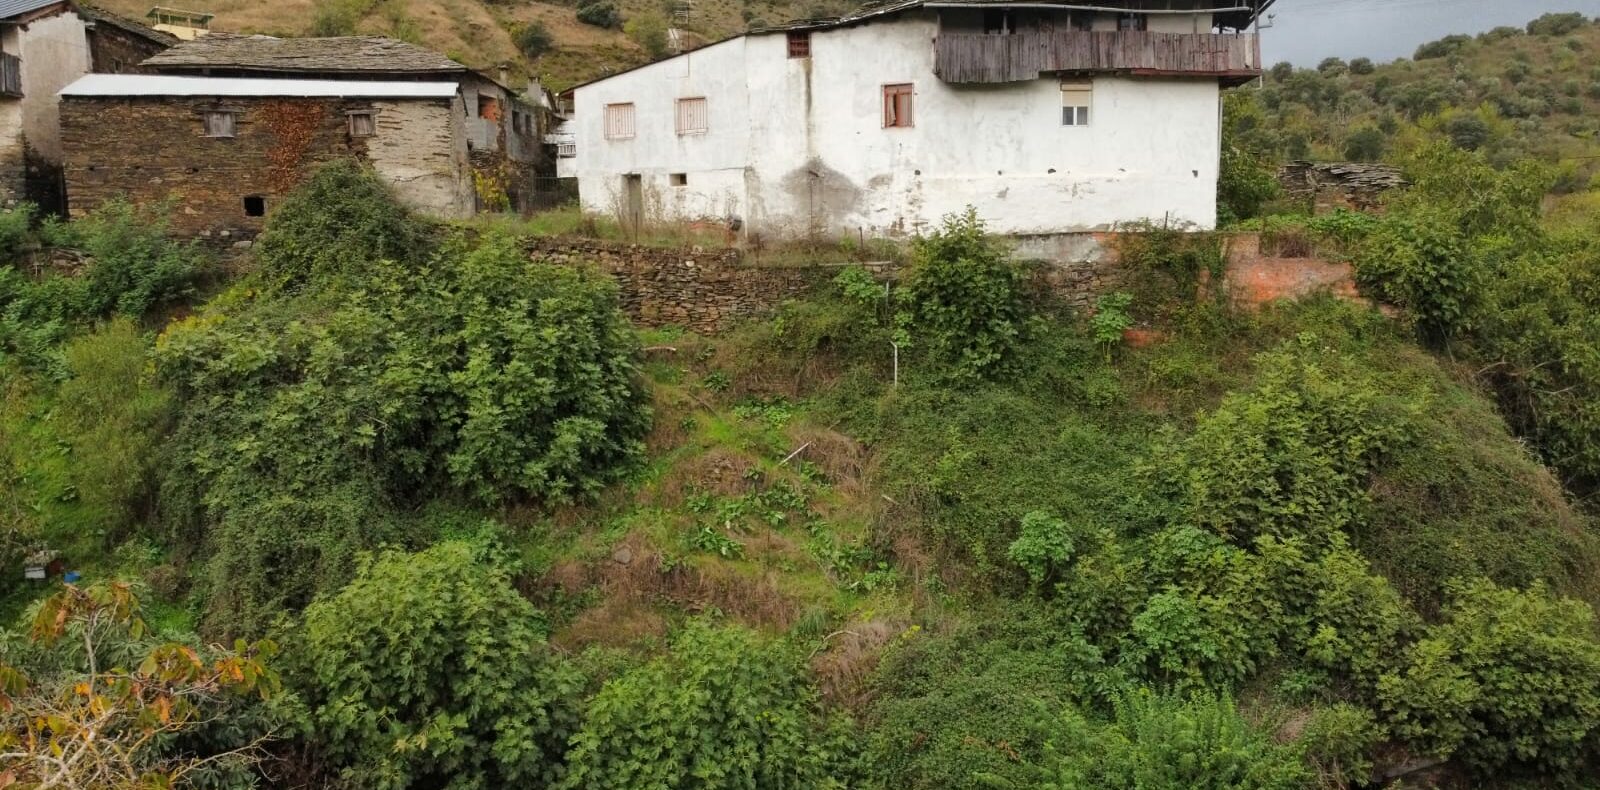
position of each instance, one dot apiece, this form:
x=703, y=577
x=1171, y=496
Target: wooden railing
x=1018, y=57
x=10, y=75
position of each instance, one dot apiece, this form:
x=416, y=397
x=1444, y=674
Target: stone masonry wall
x=708, y=291
x=152, y=149
x=703, y=291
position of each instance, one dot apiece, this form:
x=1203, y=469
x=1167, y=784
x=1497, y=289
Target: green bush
x=429, y=670
x=1509, y=682
x=534, y=39
x=1248, y=177
x=1557, y=24
x=962, y=301
x=600, y=13
x=975, y=706
x=16, y=231
x=723, y=710
x=341, y=220
x=1171, y=743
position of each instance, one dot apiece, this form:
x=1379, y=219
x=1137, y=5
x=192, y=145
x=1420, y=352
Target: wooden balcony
x=1023, y=56
x=10, y=75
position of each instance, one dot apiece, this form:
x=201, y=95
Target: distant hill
x=483, y=33
x=1512, y=92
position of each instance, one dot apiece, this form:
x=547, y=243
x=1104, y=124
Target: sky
x=1304, y=32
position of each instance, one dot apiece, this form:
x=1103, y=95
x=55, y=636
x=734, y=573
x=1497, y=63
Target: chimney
x=505, y=74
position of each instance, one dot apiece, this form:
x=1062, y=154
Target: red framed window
x=799, y=43
x=897, y=106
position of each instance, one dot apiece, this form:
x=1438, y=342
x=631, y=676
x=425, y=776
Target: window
x=220, y=123
x=619, y=121
x=1132, y=22
x=897, y=106
x=1080, y=20
x=255, y=206
x=488, y=108
x=799, y=43
x=1001, y=22
x=1076, y=99
x=678, y=179
x=362, y=124
x=693, y=116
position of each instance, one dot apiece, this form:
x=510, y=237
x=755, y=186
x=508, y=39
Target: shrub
x=342, y=219
x=1444, y=47
x=1364, y=145
x=430, y=668
x=962, y=301
x=722, y=710
x=1171, y=743
x=1248, y=176
x=649, y=31
x=1467, y=132
x=534, y=39
x=1362, y=66
x=114, y=420
x=1557, y=24
x=1510, y=681
x=16, y=231
x=600, y=13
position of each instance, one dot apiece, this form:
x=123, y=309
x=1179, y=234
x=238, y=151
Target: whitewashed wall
x=796, y=146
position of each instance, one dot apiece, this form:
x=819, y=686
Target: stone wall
x=708, y=291
x=152, y=149
x=705, y=291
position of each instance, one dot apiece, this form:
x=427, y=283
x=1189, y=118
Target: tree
x=1362, y=66
x=534, y=39
x=1557, y=24
x=333, y=226
x=1282, y=70
x=1467, y=132
x=963, y=299
x=1248, y=178
x=1333, y=66
x=90, y=721
x=428, y=669
x=1364, y=145
x=649, y=31
x=600, y=13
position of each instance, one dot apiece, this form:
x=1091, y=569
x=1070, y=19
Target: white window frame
x=686, y=122
x=1077, y=103
x=615, y=115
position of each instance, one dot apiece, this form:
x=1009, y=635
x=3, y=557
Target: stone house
x=224, y=149
x=503, y=129
x=1049, y=118
x=44, y=46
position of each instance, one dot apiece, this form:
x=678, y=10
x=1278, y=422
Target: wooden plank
x=995, y=58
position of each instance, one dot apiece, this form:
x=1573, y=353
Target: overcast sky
x=1306, y=31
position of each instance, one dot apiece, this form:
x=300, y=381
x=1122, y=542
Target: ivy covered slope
x=404, y=508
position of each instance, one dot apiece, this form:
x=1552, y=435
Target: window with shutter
x=362, y=124
x=619, y=121
x=1076, y=99
x=693, y=116
x=897, y=106
x=220, y=123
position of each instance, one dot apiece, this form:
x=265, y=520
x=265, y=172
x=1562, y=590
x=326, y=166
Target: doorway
x=632, y=203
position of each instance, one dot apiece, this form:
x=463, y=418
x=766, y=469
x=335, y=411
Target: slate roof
x=100, y=16
x=341, y=55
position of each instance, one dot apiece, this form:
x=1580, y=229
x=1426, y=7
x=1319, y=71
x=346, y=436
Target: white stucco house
x=1048, y=117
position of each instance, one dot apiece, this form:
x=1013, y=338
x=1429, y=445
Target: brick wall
x=151, y=149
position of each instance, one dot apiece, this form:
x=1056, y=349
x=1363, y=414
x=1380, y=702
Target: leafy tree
x=1510, y=681
x=342, y=219
x=600, y=13
x=1444, y=47
x=649, y=31
x=102, y=707
x=1248, y=178
x=1557, y=24
x=963, y=301
x=1364, y=145
x=1468, y=132
x=534, y=39
x=722, y=710
x=1281, y=70
x=1362, y=66
x=1333, y=66
x=430, y=670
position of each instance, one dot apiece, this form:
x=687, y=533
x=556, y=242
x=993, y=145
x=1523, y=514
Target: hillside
x=482, y=33
x=1513, y=92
